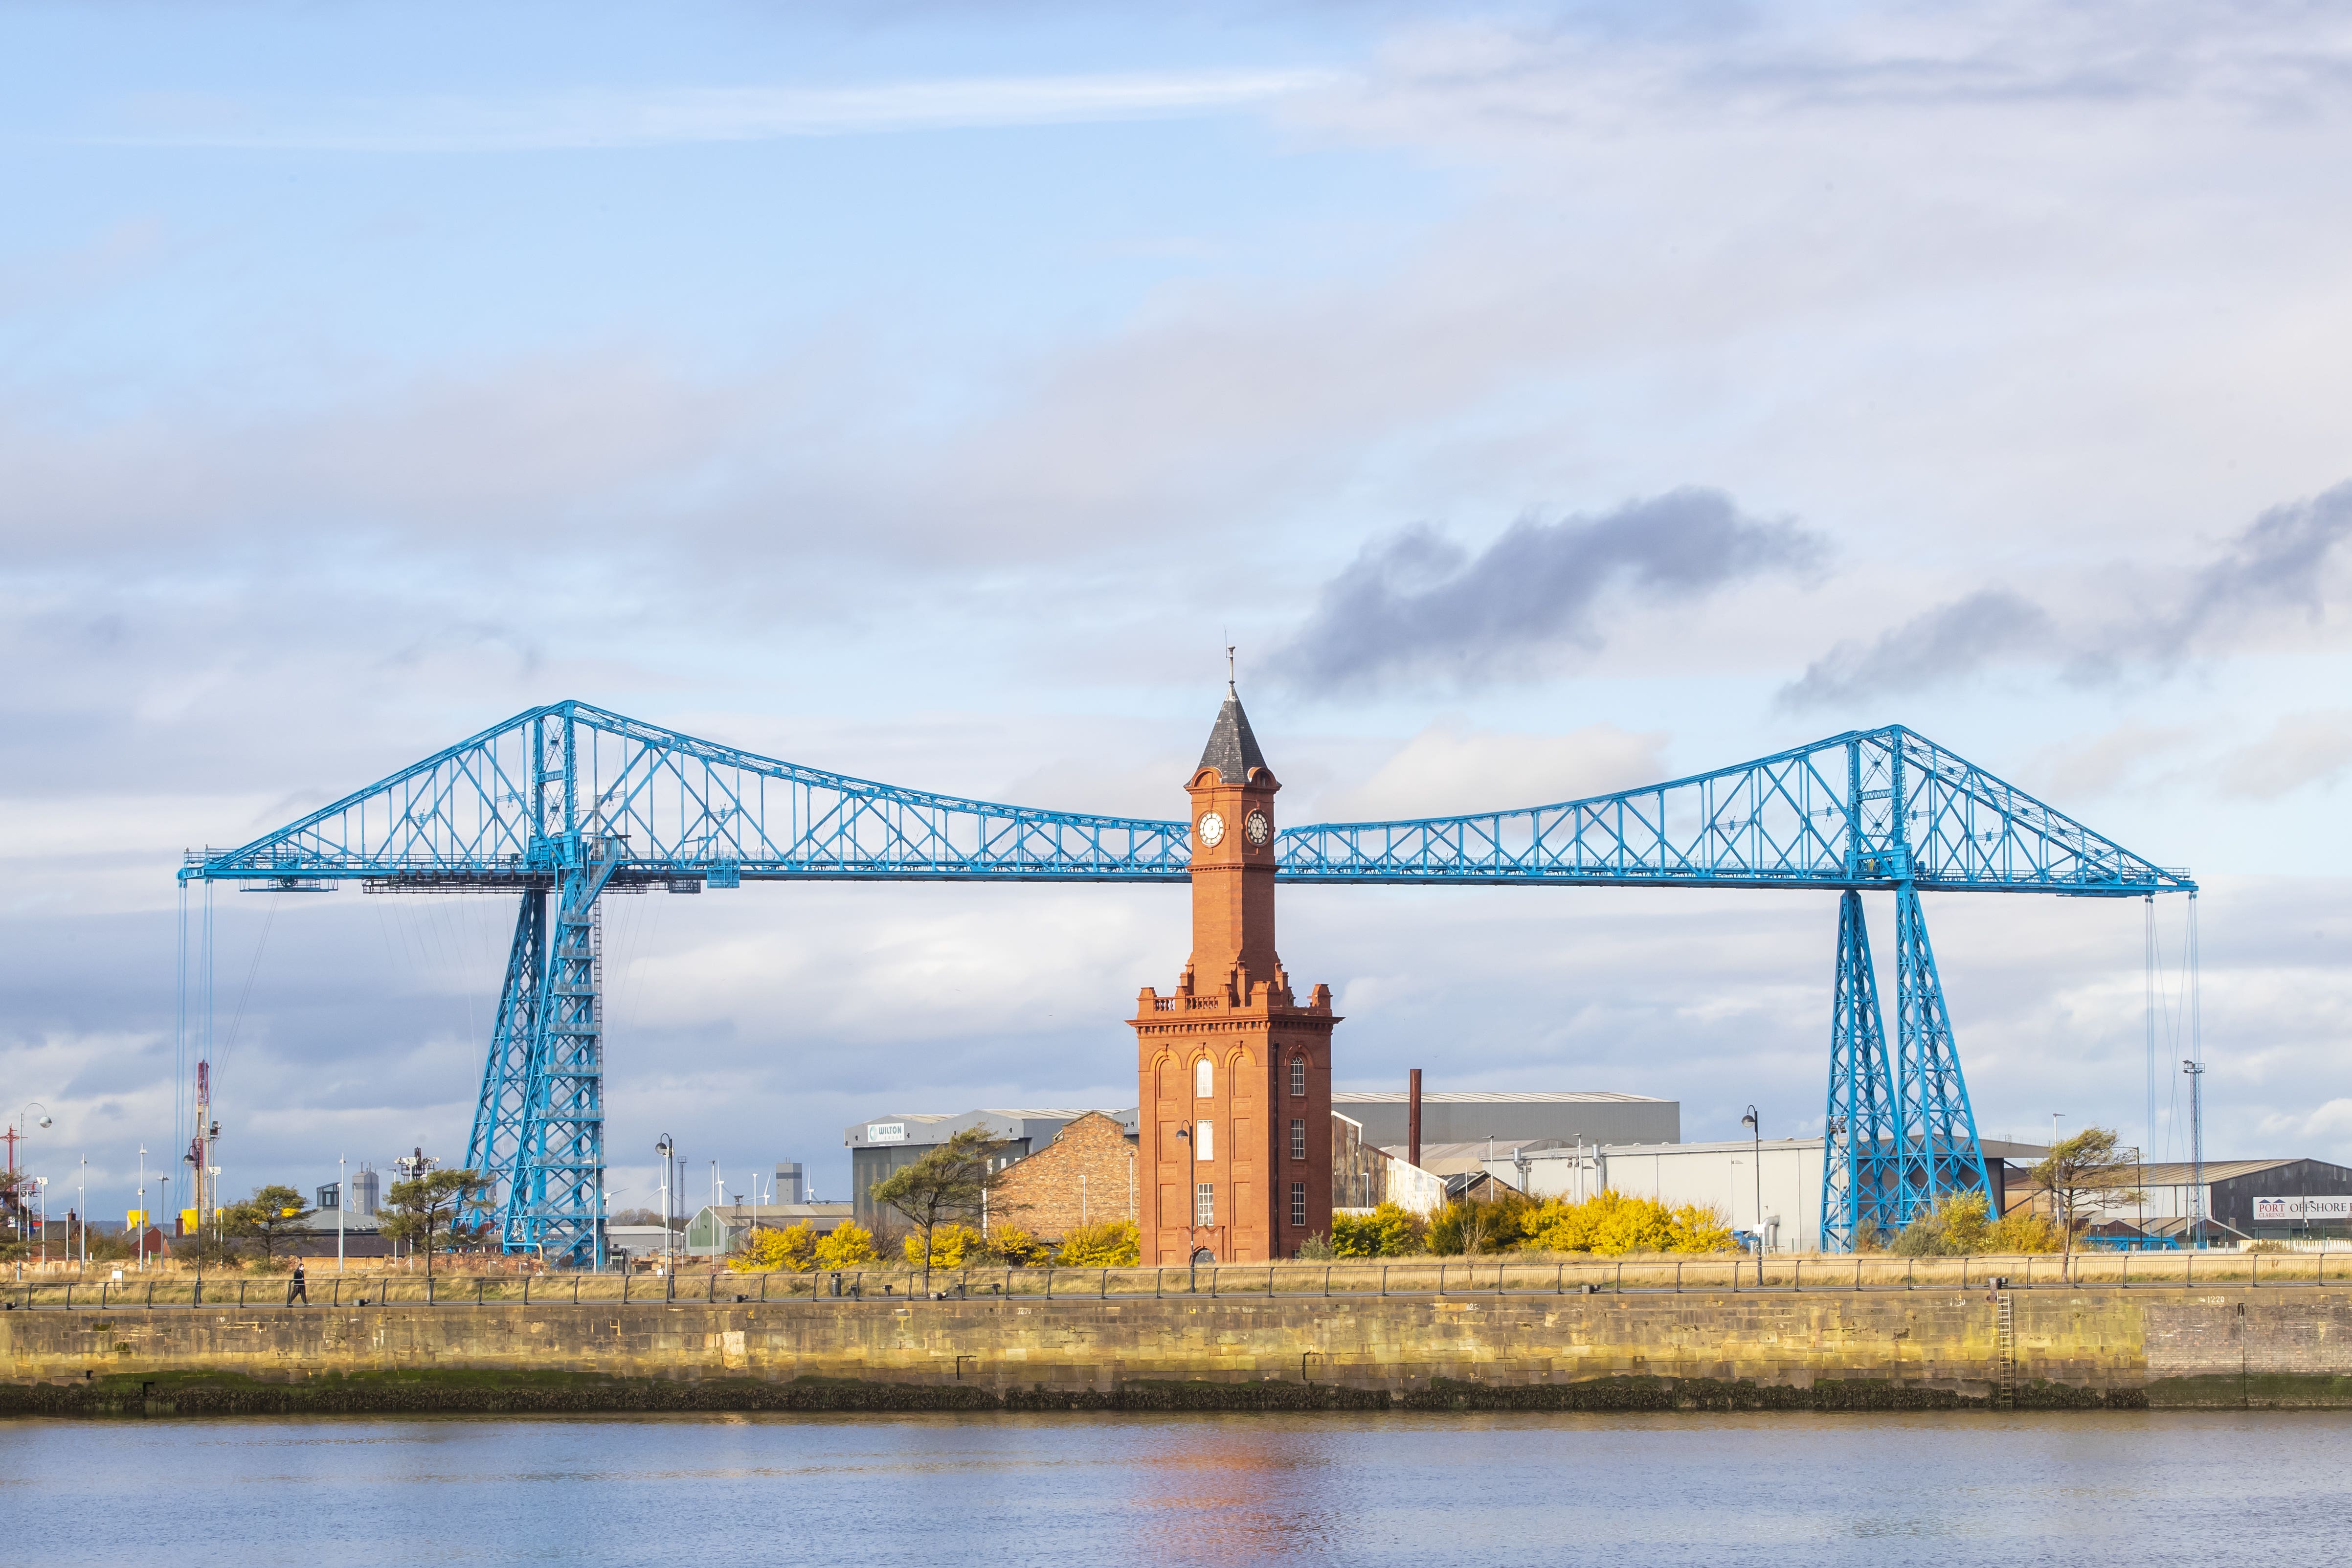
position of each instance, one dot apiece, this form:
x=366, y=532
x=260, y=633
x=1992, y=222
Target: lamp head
x=43, y=1122
x=1185, y=1133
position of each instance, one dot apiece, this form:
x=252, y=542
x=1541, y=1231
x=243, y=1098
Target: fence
x=1409, y=1276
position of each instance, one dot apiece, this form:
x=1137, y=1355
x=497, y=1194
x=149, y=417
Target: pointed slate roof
x=1231, y=749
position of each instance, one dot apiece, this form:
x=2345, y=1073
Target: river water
x=1798, y=1491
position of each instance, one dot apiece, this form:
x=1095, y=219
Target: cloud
x=2277, y=565
x=2131, y=753
x=1417, y=605
x=1451, y=768
x=1498, y=83
x=2300, y=748
x=676, y=116
x=1964, y=635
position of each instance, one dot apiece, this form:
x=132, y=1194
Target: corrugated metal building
x=1567, y=1117
x=2233, y=1187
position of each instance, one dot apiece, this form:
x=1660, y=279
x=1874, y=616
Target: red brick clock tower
x=1234, y=1076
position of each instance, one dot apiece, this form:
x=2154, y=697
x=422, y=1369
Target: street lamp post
x=82, y=1206
x=666, y=1147
x=1756, y=1130
x=26, y=1123
x=142, y=1208
x=2197, y=1195
x=343, y=1201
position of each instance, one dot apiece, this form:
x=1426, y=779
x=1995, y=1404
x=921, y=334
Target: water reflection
x=1962, y=1490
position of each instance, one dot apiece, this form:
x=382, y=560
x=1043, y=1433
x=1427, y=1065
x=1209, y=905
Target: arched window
x=1204, y=1078
x=1298, y=1078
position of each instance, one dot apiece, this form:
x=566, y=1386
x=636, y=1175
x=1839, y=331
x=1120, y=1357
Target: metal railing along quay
x=1453, y=1276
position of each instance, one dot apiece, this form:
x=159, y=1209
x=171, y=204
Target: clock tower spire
x=1232, y=856
x=1234, y=1074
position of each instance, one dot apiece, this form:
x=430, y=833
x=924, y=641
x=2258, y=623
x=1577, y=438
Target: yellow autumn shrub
x=767, y=1247
x=845, y=1247
x=1613, y=1223
x=953, y=1245
x=1105, y=1244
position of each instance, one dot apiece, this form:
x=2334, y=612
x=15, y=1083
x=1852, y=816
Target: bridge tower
x=1233, y=1075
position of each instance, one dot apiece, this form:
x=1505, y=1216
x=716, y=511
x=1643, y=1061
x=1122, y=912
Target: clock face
x=1213, y=829
x=1256, y=826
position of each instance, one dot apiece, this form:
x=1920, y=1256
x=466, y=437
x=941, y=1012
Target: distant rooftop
x=1578, y=1096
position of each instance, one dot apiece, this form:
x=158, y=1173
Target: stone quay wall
x=2229, y=1347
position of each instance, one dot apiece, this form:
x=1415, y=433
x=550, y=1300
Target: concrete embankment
x=2083, y=1347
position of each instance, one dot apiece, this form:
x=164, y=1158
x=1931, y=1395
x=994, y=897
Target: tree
x=269, y=1217
x=951, y=1185
x=2086, y=1170
x=426, y=1207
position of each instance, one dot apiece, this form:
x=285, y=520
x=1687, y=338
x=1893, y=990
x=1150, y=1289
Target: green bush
x=1963, y=1225
x=1388, y=1231
x=1010, y=1245
x=1480, y=1226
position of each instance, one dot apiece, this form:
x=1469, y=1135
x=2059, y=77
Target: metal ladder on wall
x=2004, y=1386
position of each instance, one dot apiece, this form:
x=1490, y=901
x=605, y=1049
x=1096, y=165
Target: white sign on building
x=2303, y=1210
x=885, y=1132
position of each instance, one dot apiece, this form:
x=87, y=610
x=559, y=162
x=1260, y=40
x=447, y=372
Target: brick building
x=1085, y=1176
x=1234, y=1075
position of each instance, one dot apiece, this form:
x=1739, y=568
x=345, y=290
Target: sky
x=1543, y=400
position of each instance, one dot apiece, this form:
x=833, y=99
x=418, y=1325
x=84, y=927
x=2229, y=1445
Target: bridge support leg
x=557, y=1205
x=1858, y=1169
x=1940, y=1157
x=497, y=1140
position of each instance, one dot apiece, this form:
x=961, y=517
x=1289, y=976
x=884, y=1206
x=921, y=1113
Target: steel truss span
x=564, y=804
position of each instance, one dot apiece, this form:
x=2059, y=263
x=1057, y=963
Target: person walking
x=300, y=1291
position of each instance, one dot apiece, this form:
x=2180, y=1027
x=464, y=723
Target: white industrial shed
x=1724, y=1177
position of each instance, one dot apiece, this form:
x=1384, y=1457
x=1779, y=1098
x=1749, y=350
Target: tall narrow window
x=1205, y=1203
x=1298, y=1078
x=1203, y=1079
x=1298, y=1203
x=1205, y=1141
x=1297, y=1139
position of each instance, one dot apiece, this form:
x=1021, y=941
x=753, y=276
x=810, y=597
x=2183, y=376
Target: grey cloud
x=1419, y=605
x=2277, y=565
x=1966, y=634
